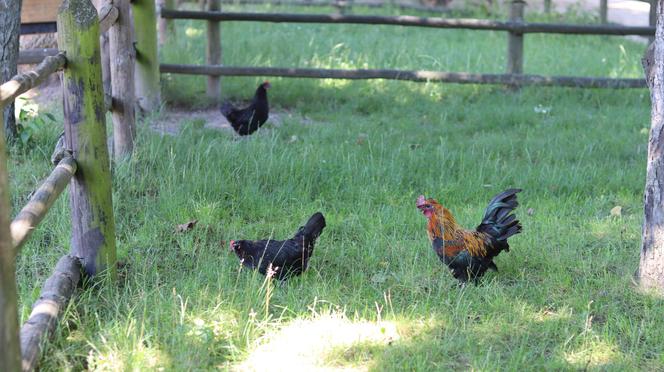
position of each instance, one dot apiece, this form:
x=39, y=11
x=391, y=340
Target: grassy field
x=375, y=295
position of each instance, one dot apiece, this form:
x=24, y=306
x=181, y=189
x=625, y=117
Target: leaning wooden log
x=93, y=225
x=10, y=357
x=447, y=77
x=34, y=56
x=22, y=83
x=472, y=24
x=55, y=295
x=41, y=201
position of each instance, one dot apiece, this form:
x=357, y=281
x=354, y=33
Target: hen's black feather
x=285, y=257
x=247, y=120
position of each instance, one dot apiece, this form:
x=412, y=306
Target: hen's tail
x=498, y=221
x=313, y=228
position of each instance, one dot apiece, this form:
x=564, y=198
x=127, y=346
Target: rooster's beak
x=421, y=201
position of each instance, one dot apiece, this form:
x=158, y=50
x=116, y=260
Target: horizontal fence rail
x=341, y=4
x=449, y=77
x=31, y=215
x=22, y=83
x=413, y=21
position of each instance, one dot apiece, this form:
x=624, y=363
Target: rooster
x=281, y=259
x=247, y=120
x=469, y=254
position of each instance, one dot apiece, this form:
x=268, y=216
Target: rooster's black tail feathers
x=498, y=221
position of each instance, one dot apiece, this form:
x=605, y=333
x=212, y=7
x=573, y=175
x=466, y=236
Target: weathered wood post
x=123, y=57
x=93, y=226
x=166, y=26
x=213, y=52
x=515, y=40
x=603, y=11
x=105, y=55
x=10, y=353
x=148, y=91
x=547, y=6
x=651, y=267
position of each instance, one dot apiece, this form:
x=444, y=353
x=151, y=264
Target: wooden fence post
x=123, y=57
x=10, y=354
x=603, y=11
x=515, y=40
x=165, y=25
x=547, y=6
x=105, y=56
x=213, y=52
x=148, y=90
x=93, y=226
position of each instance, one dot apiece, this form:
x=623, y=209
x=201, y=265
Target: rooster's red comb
x=421, y=201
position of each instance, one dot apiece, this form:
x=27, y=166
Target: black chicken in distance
x=247, y=120
x=281, y=258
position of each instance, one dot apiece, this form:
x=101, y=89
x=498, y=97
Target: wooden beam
x=55, y=295
x=148, y=89
x=213, y=52
x=93, y=225
x=22, y=83
x=448, y=77
x=471, y=24
x=41, y=201
x=10, y=354
x=327, y=4
x=515, y=40
x=35, y=56
x=123, y=58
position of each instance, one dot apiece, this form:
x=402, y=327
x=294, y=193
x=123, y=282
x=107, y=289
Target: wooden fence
x=81, y=160
x=516, y=28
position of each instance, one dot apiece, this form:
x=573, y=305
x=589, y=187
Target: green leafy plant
x=30, y=122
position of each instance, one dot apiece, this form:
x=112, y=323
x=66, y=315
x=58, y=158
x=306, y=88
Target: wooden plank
x=55, y=295
x=93, y=225
x=448, y=77
x=35, y=11
x=461, y=23
x=41, y=201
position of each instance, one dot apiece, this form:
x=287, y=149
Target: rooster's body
x=247, y=120
x=469, y=254
x=284, y=258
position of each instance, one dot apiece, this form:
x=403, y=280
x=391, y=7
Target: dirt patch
x=172, y=120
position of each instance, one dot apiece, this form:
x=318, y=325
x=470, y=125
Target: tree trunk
x=10, y=23
x=651, y=269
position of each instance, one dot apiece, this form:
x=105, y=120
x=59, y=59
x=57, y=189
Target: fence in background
x=516, y=28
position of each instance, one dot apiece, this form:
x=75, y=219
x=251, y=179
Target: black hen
x=247, y=120
x=284, y=258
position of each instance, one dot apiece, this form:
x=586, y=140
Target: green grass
x=563, y=299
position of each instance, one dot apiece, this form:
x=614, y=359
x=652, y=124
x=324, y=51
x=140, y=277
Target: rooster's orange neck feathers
x=443, y=220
